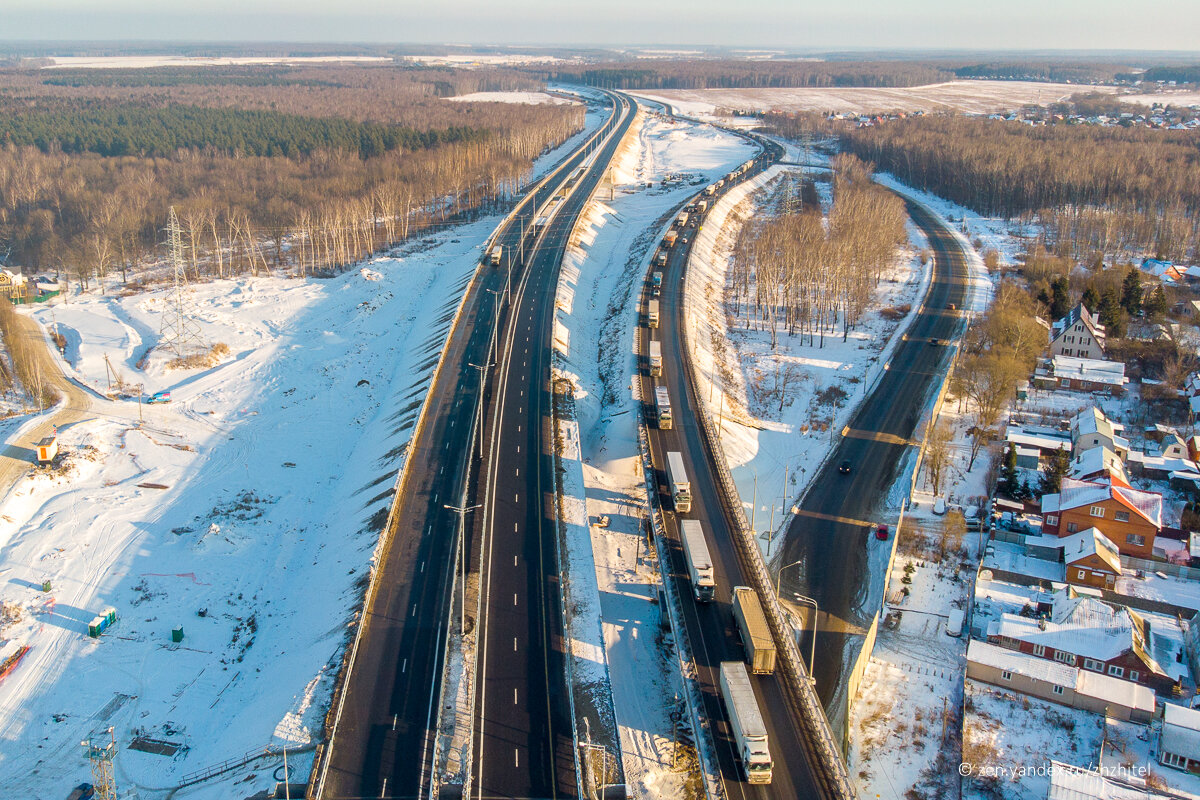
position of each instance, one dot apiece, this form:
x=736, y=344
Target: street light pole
x=483, y=368
x=460, y=556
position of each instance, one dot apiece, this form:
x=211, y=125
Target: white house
x=1077, y=334
x=1179, y=740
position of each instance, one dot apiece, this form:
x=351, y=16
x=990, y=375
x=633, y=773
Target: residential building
x=1091, y=559
x=1059, y=683
x=1091, y=428
x=1130, y=518
x=1082, y=375
x=1096, y=637
x=13, y=285
x=1165, y=271
x=1179, y=739
x=1070, y=782
x=1098, y=464
x=1077, y=334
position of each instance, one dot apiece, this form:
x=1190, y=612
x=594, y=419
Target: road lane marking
x=403, y=669
x=514, y=688
x=516, y=498
x=514, y=598
x=834, y=518
x=518, y=473
x=516, y=758
x=877, y=436
x=414, y=613
x=422, y=566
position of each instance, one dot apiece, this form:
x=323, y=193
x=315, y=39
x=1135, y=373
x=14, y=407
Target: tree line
x=741, y=74
x=85, y=215
x=1094, y=190
x=802, y=274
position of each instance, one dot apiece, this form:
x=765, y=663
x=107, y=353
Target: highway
x=385, y=714
x=524, y=745
x=710, y=626
x=833, y=554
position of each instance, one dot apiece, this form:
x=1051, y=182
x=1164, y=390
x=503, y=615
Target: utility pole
x=460, y=556
x=483, y=368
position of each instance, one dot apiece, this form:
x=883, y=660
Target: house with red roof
x=1130, y=518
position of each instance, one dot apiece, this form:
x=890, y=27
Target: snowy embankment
x=597, y=318
x=778, y=409
x=245, y=512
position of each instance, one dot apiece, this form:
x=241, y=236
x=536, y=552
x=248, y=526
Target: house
x=1028, y=457
x=1193, y=447
x=1179, y=739
x=1128, y=517
x=1098, y=464
x=1069, y=782
x=1091, y=559
x=1077, y=334
x=1059, y=683
x=1173, y=446
x=1044, y=440
x=1165, y=271
x=1082, y=375
x=1099, y=638
x=1091, y=428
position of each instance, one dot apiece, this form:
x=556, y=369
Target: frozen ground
x=597, y=319
x=971, y=96
x=245, y=511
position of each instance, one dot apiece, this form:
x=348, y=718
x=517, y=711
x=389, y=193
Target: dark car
x=936, y=341
x=845, y=467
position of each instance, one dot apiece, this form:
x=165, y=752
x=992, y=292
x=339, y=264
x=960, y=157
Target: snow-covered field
x=597, y=301
x=146, y=62
x=529, y=98
x=246, y=511
x=979, y=97
x=1166, y=98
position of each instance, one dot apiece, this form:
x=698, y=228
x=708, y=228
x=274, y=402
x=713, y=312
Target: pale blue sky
x=957, y=24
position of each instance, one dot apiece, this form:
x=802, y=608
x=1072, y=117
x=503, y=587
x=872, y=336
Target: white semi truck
x=677, y=480
x=652, y=313
x=656, y=365
x=662, y=402
x=497, y=253
x=746, y=722
x=756, y=635
x=700, y=566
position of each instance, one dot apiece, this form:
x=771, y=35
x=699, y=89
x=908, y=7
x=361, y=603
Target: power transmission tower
x=101, y=747
x=179, y=332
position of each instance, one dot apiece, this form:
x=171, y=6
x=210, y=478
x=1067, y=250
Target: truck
x=682, y=219
x=677, y=481
x=702, y=206
x=657, y=278
x=662, y=403
x=652, y=313
x=709, y=191
x=661, y=258
x=752, y=625
x=655, y=359
x=669, y=240
x=497, y=253
x=746, y=722
x=720, y=184
x=700, y=566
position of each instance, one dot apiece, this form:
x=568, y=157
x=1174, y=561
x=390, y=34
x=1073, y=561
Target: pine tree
x=1057, y=467
x=1010, y=482
x=1112, y=316
x=1131, y=292
x=1060, y=301
x=1091, y=300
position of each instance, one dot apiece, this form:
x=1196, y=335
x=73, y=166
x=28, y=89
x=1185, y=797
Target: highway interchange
x=482, y=445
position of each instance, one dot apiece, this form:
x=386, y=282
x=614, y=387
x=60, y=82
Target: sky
x=821, y=24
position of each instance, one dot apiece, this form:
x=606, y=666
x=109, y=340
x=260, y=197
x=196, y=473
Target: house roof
x=1092, y=420
x=1041, y=438
x=1077, y=493
x=1093, y=370
x=1091, y=542
x=1180, y=731
x=1069, y=782
x=1079, y=313
x=1097, y=461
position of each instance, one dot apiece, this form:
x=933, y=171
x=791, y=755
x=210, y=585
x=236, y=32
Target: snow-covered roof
x=1096, y=461
x=1115, y=691
x=1068, y=782
x=1093, y=370
x=1091, y=542
x=1079, y=313
x=1076, y=493
x=1041, y=438
x=1180, y=731
x=1042, y=669
x=1092, y=420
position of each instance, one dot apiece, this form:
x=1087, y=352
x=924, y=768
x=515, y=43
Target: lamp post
x=812, y=651
x=461, y=557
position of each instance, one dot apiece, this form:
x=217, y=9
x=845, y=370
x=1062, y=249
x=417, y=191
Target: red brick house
x=1091, y=635
x=1128, y=517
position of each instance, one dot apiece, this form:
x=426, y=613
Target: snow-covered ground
x=971, y=96
x=246, y=511
x=530, y=98
x=598, y=314
x=146, y=62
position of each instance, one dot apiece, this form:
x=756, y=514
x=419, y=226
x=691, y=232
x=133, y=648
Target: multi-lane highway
x=829, y=535
x=386, y=713
x=710, y=626
x=523, y=735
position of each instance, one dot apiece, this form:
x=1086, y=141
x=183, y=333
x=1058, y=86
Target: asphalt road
x=383, y=737
x=524, y=743
x=710, y=626
x=833, y=554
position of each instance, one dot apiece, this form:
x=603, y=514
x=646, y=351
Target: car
x=881, y=531
x=936, y=341
x=655, y=292
x=684, y=240
x=845, y=467
x=952, y=307
x=159, y=397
